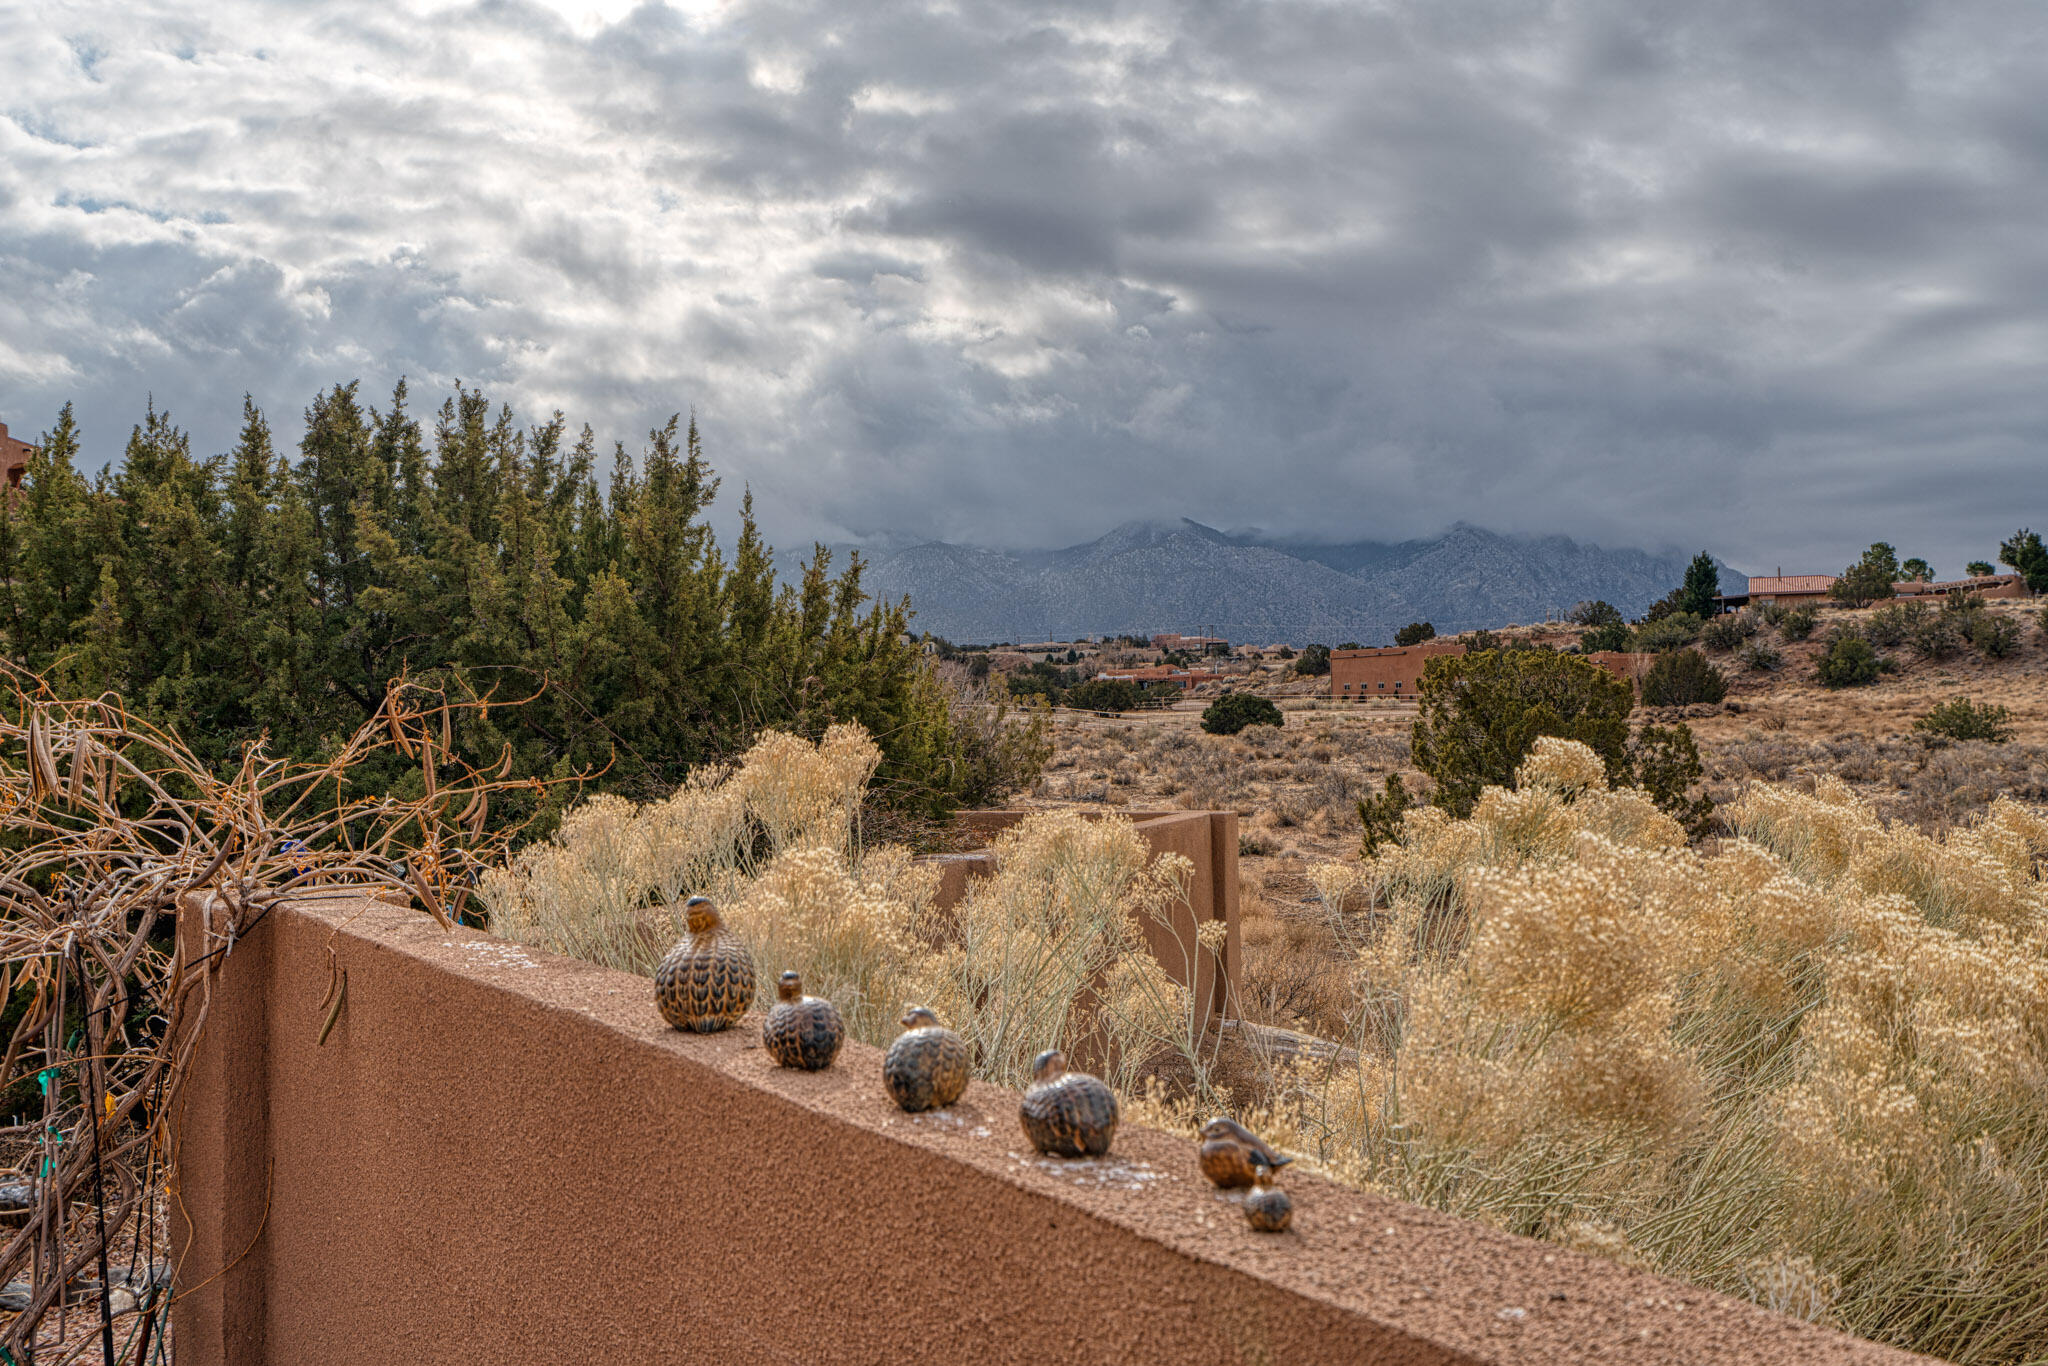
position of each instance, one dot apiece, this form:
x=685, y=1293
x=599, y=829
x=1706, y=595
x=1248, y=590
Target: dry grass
x=1806, y=1066
x=1048, y=952
x=1806, y=1063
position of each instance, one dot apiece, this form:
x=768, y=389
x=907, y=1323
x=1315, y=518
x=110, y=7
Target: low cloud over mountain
x=1147, y=577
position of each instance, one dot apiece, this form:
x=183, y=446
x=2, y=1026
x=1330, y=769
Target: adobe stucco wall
x=499, y=1156
x=1207, y=839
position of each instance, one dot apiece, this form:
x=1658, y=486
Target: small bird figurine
x=926, y=1068
x=1067, y=1114
x=707, y=980
x=1229, y=1151
x=1266, y=1207
x=802, y=1031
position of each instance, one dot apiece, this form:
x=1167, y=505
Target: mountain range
x=1147, y=577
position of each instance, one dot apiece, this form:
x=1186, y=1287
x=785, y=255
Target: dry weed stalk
x=111, y=824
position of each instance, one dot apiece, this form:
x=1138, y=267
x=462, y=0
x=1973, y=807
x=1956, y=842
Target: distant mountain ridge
x=1147, y=577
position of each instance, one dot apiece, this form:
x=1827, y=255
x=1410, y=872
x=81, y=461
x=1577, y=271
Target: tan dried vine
x=113, y=828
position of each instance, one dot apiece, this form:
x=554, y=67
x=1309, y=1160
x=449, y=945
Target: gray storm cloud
x=1761, y=276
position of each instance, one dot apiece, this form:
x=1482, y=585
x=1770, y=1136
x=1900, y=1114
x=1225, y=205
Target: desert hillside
x=1297, y=787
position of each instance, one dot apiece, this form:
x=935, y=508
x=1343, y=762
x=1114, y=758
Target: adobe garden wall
x=502, y=1156
x=1207, y=839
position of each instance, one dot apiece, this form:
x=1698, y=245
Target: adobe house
x=1982, y=586
x=1194, y=645
x=1794, y=589
x=14, y=456
x=1396, y=671
x=1789, y=588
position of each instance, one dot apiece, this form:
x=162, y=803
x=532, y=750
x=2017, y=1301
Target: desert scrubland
x=1800, y=1059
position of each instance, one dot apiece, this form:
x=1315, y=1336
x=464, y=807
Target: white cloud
x=1754, y=276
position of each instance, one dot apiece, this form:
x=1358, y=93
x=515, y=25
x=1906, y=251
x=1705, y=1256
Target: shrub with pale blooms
x=1809, y=1066
x=1053, y=950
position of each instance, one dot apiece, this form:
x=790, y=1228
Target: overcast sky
x=1769, y=277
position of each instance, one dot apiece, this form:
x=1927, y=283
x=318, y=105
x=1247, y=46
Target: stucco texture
x=499, y=1156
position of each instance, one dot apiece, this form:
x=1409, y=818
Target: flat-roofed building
x=1396, y=671
x=1173, y=640
x=1814, y=588
x=1981, y=586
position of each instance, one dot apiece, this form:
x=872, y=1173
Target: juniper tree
x=2026, y=555
x=254, y=594
x=1702, y=585
x=1481, y=714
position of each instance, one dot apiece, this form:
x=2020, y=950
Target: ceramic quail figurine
x=926, y=1068
x=1067, y=1114
x=707, y=981
x=802, y=1031
x=1266, y=1207
x=1230, y=1151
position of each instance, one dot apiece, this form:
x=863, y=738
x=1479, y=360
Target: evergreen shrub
x=1482, y=713
x=1682, y=678
x=1232, y=712
x=1849, y=662
x=1961, y=719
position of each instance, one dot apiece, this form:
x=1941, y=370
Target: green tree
x=1961, y=719
x=100, y=664
x=1702, y=585
x=1103, y=694
x=1938, y=635
x=54, y=580
x=2027, y=557
x=1314, y=661
x=252, y=594
x=1682, y=678
x=1664, y=761
x=1798, y=623
x=1916, y=570
x=1608, y=635
x=1849, y=662
x=1671, y=602
x=1381, y=816
x=1870, y=579
x=1414, y=633
x=1596, y=613
x=1482, y=712
x=1980, y=569
x=1995, y=637
x=1671, y=632
x=1232, y=712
